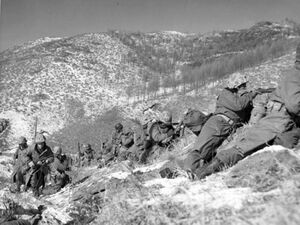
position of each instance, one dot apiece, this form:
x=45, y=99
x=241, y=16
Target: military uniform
x=116, y=140
x=158, y=133
x=39, y=159
x=284, y=107
x=87, y=155
x=232, y=109
x=282, y=116
x=127, y=140
x=58, y=172
x=20, y=164
x=8, y=215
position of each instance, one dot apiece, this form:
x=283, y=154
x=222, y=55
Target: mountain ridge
x=86, y=75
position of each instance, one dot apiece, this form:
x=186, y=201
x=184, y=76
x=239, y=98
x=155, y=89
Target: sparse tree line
x=192, y=77
x=192, y=62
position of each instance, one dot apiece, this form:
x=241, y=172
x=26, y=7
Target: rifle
x=264, y=90
x=35, y=127
x=151, y=107
x=79, y=153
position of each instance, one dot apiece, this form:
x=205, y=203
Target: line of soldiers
x=150, y=138
x=275, y=121
x=33, y=165
x=136, y=146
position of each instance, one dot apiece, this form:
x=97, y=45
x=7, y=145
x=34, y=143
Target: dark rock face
x=265, y=171
x=3, y=125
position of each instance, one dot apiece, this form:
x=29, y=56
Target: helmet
x=57, y=150
x=236, y=80
x=166, y=117
x=40, y=138
x=298, y=53
x=118, y=126
x=86, y=146
x=22, y=140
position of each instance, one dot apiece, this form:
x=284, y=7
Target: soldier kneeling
x=59, y=177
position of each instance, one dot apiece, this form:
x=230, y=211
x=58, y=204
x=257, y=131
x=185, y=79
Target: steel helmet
x=236, y=80
x=119, y=126
x=86, y=146
x=22, y=140
x=57, y=150
x=166, y=117
x=40, y=138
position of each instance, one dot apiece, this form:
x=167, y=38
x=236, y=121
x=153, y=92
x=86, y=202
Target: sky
x=27, y=20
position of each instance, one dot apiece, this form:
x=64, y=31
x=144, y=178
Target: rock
x=265, y=170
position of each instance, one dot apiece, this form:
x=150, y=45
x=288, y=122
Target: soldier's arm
x=50, y=156
x=15, y=156
x=126, y=140
x=158, y=136
x=238, y=102
x=29, y=159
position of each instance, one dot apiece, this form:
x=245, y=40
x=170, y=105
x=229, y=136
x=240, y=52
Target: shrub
x=85, y=130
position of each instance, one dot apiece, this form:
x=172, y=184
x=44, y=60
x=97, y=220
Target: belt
x=226, y=118
x=275, y=106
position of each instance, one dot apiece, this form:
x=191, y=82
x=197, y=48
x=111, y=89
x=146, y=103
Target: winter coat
x=159, y=131
x=284, y=106
x=235, y=105
x=87, y=156
x=20, y=162
x=127, y=139
x=36, y=155
x=288, y=91
x=60, y=165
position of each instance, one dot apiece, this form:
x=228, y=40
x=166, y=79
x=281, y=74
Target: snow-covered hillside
x=57, y=81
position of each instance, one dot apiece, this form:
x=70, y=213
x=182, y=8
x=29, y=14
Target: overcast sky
x=24, y=20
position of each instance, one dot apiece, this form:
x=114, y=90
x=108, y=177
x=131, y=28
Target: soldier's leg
x=34, y=181
x=19, y=180
x=214, y=132
x=255, y=138
x=147, y=149
x=37, y=181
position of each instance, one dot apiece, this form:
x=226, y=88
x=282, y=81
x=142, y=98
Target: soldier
x=87, y=155
x=20, y=164
x=39, y=157
x=281, y=121
x=127, y=140
x=116, y=138
x=233, y=107
x=58, y=171
x=158, y=133
x=8, y=215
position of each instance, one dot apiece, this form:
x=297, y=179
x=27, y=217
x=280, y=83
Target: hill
x=78, y=87
x=63, y=80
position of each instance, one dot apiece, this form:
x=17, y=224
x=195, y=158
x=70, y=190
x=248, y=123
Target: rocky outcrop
x=3, y=125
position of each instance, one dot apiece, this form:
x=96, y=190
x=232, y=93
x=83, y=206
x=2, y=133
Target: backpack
x=195, y=119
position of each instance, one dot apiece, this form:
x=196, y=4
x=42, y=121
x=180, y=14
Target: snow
x=20, y=125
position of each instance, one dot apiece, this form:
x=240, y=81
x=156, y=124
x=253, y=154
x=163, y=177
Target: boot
x=208, y=169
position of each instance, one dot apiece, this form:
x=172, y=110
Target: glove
x=31, y=164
